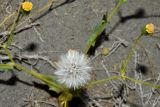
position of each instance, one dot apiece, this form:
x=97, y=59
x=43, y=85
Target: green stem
x=7, y=66
x=8, y=53
x=129, y=56
x=114, y=10
x=142, y=82
x=102, y=81
x=34, y=73
x=43, y=77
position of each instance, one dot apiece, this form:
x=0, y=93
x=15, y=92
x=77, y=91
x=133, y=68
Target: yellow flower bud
x=27, y=6
x=105, y=51
x=150, y=28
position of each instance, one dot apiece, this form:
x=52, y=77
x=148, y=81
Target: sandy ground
x=68, y=27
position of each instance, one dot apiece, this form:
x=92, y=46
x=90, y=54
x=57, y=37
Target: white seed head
x=73, y=69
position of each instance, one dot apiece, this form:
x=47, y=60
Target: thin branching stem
x=129, y=56
x=141, y=82
x=7, y=18
x=8, y=53
x=90, y=85
x=13, y=27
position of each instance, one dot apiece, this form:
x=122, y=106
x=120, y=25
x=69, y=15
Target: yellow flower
x=27, y=6
x=105, y=51
x=150, y=28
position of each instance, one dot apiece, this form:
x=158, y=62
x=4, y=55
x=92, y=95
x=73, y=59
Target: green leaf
x=52, y=82
x=99, y=28
x=49, y=77
x=49, y=80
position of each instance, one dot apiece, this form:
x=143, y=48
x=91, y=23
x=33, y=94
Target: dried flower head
x=149, y=28
x=73, y=69
x=27, y=6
